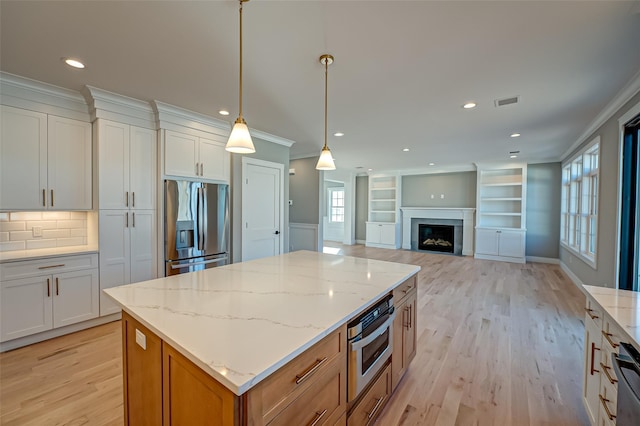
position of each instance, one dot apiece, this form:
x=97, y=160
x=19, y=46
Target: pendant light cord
x=326, y=91
x=240, y=95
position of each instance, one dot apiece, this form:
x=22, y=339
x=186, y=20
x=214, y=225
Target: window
x=579, y=204
x=336, y=205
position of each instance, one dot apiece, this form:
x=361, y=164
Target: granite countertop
x=18, y=255
x=622, y=306
x=242, y=322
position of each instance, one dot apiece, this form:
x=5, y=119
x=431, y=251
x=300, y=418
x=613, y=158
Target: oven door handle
x=359, y=344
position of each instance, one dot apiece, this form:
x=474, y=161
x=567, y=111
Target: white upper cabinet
x=126, y=166
x=195, y=157
x=45, y=162
x=69, y=164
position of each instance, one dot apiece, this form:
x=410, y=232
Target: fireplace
x=460, y=218
x=436, y=238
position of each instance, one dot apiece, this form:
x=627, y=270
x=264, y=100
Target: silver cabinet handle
x=133, y=199
x=377, y=406
x=201, y=169
x=197, y=169
x=126, y=199
x=57, y=286
x=51, y=266
x=318, y=417
x=52, y=198
x=126, y=223
x=304, y=376
x=44, y=197
x=134, y=219
x=48, y=287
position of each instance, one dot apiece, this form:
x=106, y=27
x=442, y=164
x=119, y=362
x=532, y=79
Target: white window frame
x=580, y=203
x=331, y=206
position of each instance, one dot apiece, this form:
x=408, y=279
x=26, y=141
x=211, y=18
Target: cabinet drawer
x=48, y=266
x=322, y=403
x=270, y=396
x=403, y=289
x=608, y=396
x=612, y=335
x=593, y=311
x=373, y=401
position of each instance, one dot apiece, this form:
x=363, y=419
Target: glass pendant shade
x=240, y=140
x=325, y=162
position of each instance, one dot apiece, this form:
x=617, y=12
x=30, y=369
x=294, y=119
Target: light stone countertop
x=622, y=306
x=243, y=321
x=18, y=255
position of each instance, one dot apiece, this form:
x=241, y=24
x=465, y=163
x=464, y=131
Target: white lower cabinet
x=39, y=295
x=382, y=235
x=500, y=244
x=127, y=251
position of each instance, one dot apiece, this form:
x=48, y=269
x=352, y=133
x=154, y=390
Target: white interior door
x=262, y=220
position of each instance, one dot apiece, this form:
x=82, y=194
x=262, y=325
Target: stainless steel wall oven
x=370, y=341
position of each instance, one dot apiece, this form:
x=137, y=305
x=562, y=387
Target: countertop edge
x=589, y=288
x=37, y=254
x=239, y=390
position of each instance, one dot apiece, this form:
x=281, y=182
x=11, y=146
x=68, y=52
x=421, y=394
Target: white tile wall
x=59, y=229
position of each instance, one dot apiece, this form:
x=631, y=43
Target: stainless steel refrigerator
x=196, y=226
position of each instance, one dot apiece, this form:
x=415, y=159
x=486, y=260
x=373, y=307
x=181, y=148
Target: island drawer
x=324, y=402
x=272, y=395
x=373, y=401
x=404, y=289
x=593, y=311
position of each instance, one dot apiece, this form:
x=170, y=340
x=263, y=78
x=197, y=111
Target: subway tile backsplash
x=58, y=229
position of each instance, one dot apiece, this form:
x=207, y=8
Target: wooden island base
x=162, y=386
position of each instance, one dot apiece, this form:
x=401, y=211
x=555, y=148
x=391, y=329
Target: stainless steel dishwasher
x=627, y=367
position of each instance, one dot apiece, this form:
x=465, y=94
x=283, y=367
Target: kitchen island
x=259, y=342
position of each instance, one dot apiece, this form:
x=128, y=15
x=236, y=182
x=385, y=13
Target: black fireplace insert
x=436, y=238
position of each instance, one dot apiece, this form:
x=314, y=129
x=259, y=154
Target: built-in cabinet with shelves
x=40, y=295
x=45, y=162
x=500, y=213
x=383, y=226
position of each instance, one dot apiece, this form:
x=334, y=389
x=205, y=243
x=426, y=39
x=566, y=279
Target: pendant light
x=240, y=140
x=325, y=162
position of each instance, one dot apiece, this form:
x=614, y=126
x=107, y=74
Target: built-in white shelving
x=383, y=229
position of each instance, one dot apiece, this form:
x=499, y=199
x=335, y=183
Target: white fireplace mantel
x=466, y=214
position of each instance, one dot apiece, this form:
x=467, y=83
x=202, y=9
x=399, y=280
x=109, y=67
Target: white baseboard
x=57, y=332
x=573, y=277
x=537, y=259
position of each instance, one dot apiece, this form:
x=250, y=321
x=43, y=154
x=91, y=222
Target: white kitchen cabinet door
x=591, y=384
x=69, y=173
x=143, y=247
x=487, y=241
x=142, y=168
x=26, y=307
x=75, y=297
x=23, y=159
x=214, y=159
x=181, y=155
x=113, y=164
x=511, y=243
x=114, y=254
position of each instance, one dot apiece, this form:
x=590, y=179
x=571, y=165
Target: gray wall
x=266, y=151
x=459, y=190
x=304, y=189
x=605, y=272
x=362, y=206
x=543, y=210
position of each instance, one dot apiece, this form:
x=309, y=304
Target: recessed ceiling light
x=369, y=169
x=469, y=105
x=513, y=156
x=223, y=112
x=432, y=164
x=515, y=135
x=338, y=134
x=405, y=149
x=73, y=63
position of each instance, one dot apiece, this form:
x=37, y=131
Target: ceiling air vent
x=507, y=101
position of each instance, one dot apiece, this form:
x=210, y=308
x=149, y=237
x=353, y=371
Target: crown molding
x=623, y=96
x=22, y=92
x=271, y=138
x=123, y=109
x=176, y=118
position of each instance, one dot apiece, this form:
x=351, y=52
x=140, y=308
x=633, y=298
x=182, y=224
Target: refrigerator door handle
x=205, y=215
x=204, y=262
x=199, y=223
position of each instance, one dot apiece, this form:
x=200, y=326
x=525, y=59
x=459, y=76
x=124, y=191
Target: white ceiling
x=402, y=69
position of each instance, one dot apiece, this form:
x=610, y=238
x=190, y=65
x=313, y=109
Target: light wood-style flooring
x=498, y=344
